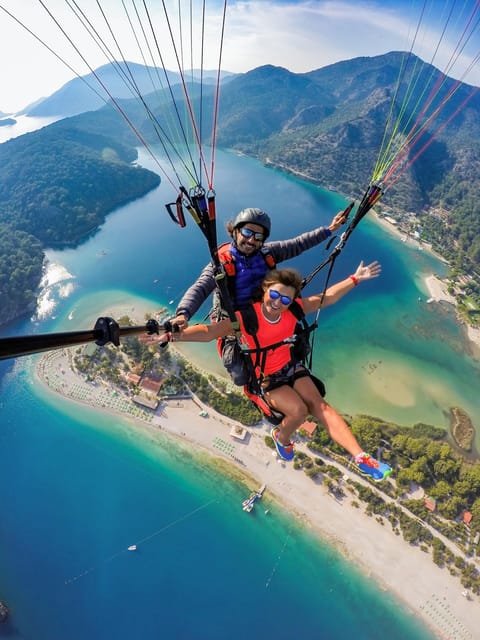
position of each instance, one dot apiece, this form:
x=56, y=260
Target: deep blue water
x=79, y=487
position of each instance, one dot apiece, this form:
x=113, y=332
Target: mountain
x=7, y=122
x=86, y=93
x=335, y=117
x=327, y=125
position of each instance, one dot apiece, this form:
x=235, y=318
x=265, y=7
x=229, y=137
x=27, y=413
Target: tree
x=471, y=475
x=475, y=510
x=366, y=432
x=441, y=490
x=447, y=468
x=56, y=187
x=312, y=472
x=452, y=507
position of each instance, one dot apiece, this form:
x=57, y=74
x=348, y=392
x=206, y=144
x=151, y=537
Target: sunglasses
x=256, y=235
x=274, y=295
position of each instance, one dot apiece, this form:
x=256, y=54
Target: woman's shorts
x=288, y=375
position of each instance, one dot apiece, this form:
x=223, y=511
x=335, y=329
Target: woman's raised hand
x=369, y=271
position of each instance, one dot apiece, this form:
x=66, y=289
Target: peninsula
x=436, y=577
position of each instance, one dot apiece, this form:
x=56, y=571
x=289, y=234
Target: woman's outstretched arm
x=338, y=290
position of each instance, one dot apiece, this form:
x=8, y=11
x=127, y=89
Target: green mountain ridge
x=326, y=125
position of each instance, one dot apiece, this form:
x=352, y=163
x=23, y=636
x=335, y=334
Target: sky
x=299, y=35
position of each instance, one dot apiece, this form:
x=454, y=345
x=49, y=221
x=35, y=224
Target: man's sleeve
x=196, y=295
x=287, y=249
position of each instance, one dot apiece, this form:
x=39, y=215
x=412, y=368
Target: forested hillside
x=21, y=258
x=328, y=125
x=56, y=186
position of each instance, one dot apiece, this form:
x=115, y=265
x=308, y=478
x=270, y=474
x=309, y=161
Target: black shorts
x=288, y=375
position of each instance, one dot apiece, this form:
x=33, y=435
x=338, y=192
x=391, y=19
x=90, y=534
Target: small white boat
x=132, y=547
x=247, y=504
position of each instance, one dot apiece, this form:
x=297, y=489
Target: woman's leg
x=287, y=401
x=333, y=422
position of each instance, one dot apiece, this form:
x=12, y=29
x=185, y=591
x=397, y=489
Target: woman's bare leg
x=287, y=401
x=336, y=426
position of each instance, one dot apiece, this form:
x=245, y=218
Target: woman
x=287, y=385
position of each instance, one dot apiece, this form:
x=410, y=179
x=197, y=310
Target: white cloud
x=308, y=35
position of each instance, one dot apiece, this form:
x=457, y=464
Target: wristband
x=354, y=280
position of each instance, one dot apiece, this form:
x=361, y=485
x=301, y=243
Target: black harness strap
x=250, y=323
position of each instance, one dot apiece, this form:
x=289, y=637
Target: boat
x=132, y=547
x=247, y=505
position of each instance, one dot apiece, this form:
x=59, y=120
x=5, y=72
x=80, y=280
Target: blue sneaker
x=378, y=471
x=285, y=451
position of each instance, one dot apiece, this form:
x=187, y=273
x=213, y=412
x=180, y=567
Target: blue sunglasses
x=274, y=295
x=248, y=233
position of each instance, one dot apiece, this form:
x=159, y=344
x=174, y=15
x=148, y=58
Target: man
x=248, y=259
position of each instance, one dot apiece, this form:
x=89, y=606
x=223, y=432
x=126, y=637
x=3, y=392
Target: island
x=461, y=426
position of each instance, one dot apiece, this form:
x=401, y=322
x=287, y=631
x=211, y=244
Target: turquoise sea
x=79, y=486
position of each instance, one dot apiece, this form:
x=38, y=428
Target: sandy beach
x=438, y=292
x=406, y=572
x=437, y=289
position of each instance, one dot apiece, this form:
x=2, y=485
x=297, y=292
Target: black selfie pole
x=106, y=330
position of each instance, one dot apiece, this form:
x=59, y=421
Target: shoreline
x=431, y=593
x=408, y=240
x=438, y=292
x=436, y=288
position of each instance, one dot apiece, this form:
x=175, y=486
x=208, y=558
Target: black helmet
x=255, y=216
